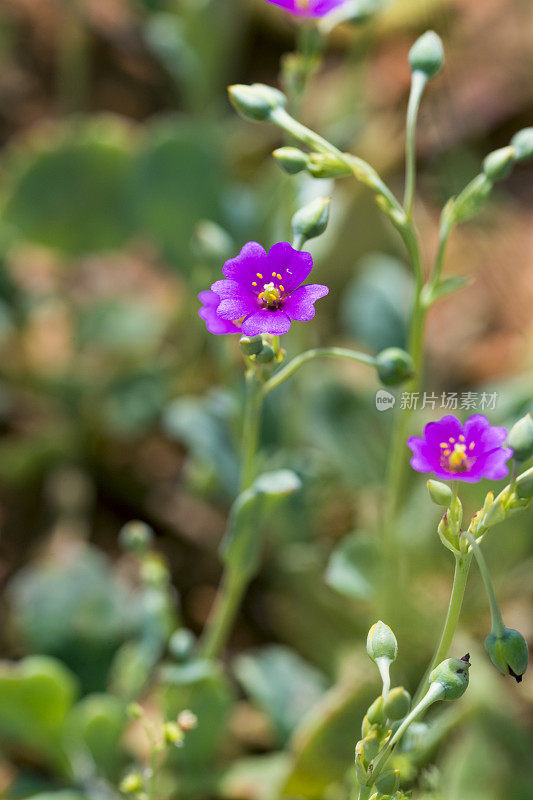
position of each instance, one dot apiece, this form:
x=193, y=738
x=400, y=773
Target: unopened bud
x=257, y=101
x=524, y=485
x=523, y=144
x=520, y=438
x=427, y=54
x=508, y=652
x=131, y=783
x=134, y=711
x=394, y=366
x=440, y=493
x=291, y=159
x=468, y=203
x=266, y=355
x=187, y=721
x=375, y=713
x=136, y=536
x=452, y=675
x=499, y=164
x=311, y=220
x=172, y=733
x=397, y=703
x=388, y=782
x=181, y=644
x=370, y=746
x=251, y=345
x=327, y=165
x=381, y=642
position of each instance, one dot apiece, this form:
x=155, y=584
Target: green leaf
x=250, y=513
x=202, y=687
x=444, y=287
x=353, y=567
x=176, y=181
x=69, y=190
x=282, y=684
x=95, y=727
x=35, y=696
x=323, y=745
x=376, y=304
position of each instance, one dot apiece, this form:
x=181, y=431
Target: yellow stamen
x=447, y=452
x=278, y=276
x=254, y=283
x=443, y=445
x=273, y=274
x=259, y=276
x=451, y=440
x=281, y=288
x=471, y=445
x=461, y=438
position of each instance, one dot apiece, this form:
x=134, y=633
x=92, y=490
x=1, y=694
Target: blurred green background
x=126, y=180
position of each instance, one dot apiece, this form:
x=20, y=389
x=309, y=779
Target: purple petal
x=441, y=431
x=314, y=8
x=422, y=459
x=244, y=267
x=240, y=303
x=300, y=304
x=212, y=321
x=293, y=265
x=265, y=321
x=493, y=465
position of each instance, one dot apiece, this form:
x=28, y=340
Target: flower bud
x=375, y=713
x=266, y=355
x=508, y=652
x=311, y=220
x=132, y=783
x=381, y=642
x=470, y=200
x=172, y=733
x=520, y=438
x=524, y=485
x=397, y=703
x=134, y=711
x=448, y=532
x=440, y=493
x=499, y=164
x=187, y=721
x=291, y=159
x=388, y=782
x=251, y=345
x=452, y=675
x=181, y=644
x=523, y=144
x=257, y=101
x=326, y=165
x=427, y=54
x=370, y=746
x=136, y=537
x=394, y=366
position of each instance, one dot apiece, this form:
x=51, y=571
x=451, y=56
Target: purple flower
x=453, y=451
x=307, y=8
x=263, y=291
x=208, y=313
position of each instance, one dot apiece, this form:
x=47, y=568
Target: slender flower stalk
x=498, y=627
x=234, y=581
x=298, y=361
x=418, y=83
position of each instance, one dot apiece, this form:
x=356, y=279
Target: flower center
x=455, y=456
x=303, y=3
x=270, y=296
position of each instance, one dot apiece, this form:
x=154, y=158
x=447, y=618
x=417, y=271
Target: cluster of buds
x=389, y=716
x=262, y=350
x=172, y=733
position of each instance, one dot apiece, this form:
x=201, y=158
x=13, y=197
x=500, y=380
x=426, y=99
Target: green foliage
x=282, y=684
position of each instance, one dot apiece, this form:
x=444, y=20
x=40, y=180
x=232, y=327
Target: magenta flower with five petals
x=307, y=8
x=262, y=292
x=453, y=451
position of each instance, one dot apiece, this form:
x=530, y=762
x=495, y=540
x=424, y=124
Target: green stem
x=418, y=83
x=462, y=567
x=498, y=627
x=234, y=582
x=446, y=228
x=434, y=693
x=289, y=369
